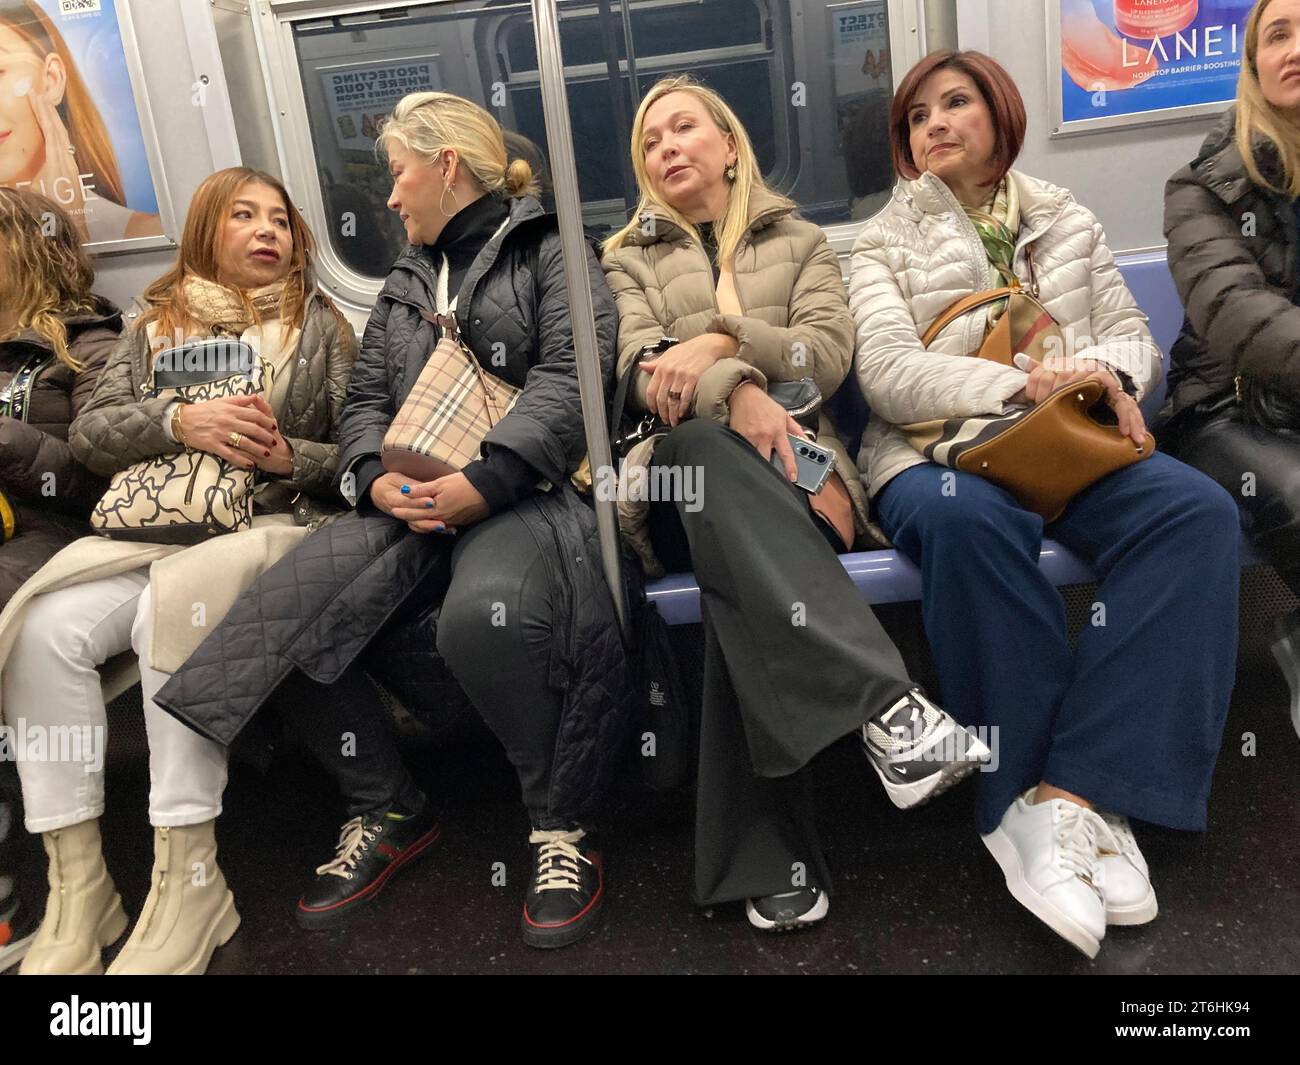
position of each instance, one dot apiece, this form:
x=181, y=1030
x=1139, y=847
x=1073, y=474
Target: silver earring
x=730, y=172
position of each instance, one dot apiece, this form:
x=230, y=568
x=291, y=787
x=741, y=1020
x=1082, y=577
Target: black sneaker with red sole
x=567, y=889
x=371, y=850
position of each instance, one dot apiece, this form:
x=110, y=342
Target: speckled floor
x=916, y=891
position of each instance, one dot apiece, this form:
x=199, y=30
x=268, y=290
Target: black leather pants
x=1261, y=471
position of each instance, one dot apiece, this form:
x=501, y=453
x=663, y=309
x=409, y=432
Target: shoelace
x=557, y=860
x=354, y=840
x=897, y=727
x=1118, y=833
x=1077, y=837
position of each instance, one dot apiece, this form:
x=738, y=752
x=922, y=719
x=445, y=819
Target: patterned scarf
x=997, y=222
x=216, y=306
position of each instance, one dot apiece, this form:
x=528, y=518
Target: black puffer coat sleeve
x=368, y=409
x=28, y=454
x=1239, y=317
x=545, y=427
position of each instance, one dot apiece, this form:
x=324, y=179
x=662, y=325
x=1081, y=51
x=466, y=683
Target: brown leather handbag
x=1043, y=455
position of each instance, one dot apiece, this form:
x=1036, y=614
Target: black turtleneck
x=464, y=236
x=502, y=478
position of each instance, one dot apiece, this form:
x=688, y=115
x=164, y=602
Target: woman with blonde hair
x=498, y=563
x=794, y=659
x=244, y=270
x=55, y=336
x=56, y=138
x=1231, y=222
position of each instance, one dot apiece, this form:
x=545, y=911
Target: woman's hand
x=392, y=493
x=59, y=177
x=449, y=501
x=766, y=424
x=239, y=429
x=676, y=373
x=1053, y=373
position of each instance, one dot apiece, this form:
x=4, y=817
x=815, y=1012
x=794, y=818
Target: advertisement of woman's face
x=53, y=135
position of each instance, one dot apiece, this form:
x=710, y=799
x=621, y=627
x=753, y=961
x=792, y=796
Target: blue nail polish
x=428, y=502
x=406, y=489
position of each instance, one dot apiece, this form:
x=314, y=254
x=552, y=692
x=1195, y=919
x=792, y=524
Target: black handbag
x=802, y=400
x=1266, y=407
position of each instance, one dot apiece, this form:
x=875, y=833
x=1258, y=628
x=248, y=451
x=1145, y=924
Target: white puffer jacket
x=921, y=253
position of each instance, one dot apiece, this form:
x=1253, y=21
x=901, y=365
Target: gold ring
x=235, y=438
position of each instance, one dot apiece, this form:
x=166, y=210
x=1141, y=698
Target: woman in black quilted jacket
x=1231, y=222
x=244, y=269
x=498, y=563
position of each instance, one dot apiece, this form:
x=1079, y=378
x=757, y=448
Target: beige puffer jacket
x=921, y=253
x=796, y=321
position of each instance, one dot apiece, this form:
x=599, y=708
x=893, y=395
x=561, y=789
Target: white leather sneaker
x=1130, y=898
x=1048, y=854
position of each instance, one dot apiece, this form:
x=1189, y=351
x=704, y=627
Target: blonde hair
x=748, y=175
x=1257, y=118
x=428, y=123
x=46, y=274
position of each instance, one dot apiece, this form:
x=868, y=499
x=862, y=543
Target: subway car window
x=819, y=128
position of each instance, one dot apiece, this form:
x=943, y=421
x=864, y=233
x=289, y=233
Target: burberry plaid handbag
x=1043, y=455
x=442, y=423
x=192, y=495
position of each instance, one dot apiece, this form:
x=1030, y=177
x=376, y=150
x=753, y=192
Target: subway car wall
x=299, y=89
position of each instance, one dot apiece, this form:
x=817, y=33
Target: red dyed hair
x=1001, y=97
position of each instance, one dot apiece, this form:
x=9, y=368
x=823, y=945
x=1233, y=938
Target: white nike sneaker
x=1048, y=854
x=1130, y=898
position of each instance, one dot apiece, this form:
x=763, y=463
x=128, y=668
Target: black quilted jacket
x=1232, y=251
x=320, y=608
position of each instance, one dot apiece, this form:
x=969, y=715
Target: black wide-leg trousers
x=794, y=659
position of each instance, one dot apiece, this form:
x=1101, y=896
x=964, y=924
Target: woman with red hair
x=1128, y=722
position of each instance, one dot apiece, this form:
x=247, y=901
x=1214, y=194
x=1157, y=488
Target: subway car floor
x=915, y=891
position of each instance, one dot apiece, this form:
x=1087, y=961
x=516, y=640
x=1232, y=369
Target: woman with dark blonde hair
x=1234, y=388
x=56, y=138
x=750, y=295
x=1128, y=723
x=55, y=336
x=244, y=270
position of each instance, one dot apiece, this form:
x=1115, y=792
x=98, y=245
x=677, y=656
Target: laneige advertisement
x=1135, y=62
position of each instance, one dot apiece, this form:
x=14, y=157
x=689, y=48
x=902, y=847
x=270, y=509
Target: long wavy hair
x=86, y=130
x=1257, y=118
x=748, y=175
x=199, y=255
x=428, y=123
x=45, y=276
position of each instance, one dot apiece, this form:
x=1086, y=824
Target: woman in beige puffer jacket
x=794, y=659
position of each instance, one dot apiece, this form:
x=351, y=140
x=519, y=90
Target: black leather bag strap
x=619, y=405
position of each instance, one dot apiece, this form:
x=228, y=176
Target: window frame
x=274, y=22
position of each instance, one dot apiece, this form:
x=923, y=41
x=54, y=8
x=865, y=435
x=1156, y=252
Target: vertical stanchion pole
x=564, y=172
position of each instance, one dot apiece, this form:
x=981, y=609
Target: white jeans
x=55, y=708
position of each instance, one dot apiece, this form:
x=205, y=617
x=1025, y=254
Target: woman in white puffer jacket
x=1129, y=721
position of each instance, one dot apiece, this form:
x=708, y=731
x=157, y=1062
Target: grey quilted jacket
x=1232, y=251
x=320, y=609
x=118, y=428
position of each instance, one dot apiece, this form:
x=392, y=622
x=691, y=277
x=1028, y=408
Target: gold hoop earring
x=447, y=214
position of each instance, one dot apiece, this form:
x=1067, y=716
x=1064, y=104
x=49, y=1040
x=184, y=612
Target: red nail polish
x=268, y=454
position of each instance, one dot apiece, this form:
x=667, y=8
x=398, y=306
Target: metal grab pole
x=564, y=172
